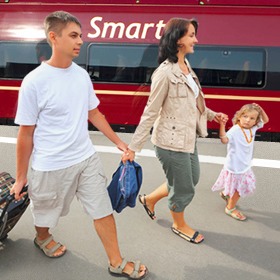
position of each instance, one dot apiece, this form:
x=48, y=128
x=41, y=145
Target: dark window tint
x=228, y=67
x=122, y=63
x=18, y=58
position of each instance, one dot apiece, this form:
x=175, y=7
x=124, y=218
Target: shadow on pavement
x=257, y=252
x=269, y=219
x=20, y=260
x=220, y=272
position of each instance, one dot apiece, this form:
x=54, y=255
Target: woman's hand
x=221, y=118
x=128, y=155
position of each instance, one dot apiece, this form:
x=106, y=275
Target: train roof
x=267, y=3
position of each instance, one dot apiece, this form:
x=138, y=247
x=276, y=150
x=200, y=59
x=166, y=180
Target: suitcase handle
x=10, y=197
x=4, y=216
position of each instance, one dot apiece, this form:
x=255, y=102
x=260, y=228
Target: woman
x=176, y=110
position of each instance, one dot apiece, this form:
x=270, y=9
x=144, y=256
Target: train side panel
x=237, y=58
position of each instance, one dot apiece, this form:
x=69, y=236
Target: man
x=56, y=100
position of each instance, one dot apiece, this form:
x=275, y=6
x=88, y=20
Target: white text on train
x=134, y=30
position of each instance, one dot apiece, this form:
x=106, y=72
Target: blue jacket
x=125, y=185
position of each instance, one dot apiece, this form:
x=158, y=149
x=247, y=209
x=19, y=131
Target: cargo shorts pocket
x=42, y=189
x=46, y=200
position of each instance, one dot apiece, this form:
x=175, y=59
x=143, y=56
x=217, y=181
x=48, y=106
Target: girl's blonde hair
x=244, y=109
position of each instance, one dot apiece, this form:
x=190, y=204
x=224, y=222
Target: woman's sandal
x=236, y=215
x=149, y=212
x=191, y=239
x=118, y=271
x=49, y=252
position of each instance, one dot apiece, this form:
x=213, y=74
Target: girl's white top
x=239, y=151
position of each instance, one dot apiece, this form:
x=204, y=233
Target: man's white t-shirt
x=239, y=151
x=57, y=101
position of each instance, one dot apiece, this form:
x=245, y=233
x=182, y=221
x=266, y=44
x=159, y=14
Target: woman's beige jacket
x=177, y=117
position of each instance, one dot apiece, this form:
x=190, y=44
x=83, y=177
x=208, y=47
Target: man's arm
x=100, y=122
x=23, y=152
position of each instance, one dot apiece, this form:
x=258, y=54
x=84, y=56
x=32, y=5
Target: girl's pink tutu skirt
x=244, y=183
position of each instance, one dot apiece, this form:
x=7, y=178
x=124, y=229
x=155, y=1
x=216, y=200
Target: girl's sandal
x=236, y=215
x=224, y=197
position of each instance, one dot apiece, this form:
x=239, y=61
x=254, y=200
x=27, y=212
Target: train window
x=18, y=58
x=229, y=66
x=122, y=63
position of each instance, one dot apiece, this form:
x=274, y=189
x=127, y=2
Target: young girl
x=237, y=178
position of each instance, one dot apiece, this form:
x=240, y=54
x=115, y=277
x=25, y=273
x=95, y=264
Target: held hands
x=221, y=118
x=128, y=155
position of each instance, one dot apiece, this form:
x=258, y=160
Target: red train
x=237, y=58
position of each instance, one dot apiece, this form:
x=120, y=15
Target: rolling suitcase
x=10, y=209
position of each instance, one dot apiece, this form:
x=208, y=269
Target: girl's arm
x=222, y=134
x=264, y=116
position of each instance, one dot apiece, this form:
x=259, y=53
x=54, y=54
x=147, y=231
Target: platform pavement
x=231, y=250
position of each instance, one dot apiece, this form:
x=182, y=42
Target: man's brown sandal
x=49, y=252
x=118, y=271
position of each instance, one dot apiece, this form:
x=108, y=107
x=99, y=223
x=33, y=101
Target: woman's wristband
x=224, y=136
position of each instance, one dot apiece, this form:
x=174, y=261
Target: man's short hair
x=57, y=21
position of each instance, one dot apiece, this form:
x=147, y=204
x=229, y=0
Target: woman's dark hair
x=174, y=29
